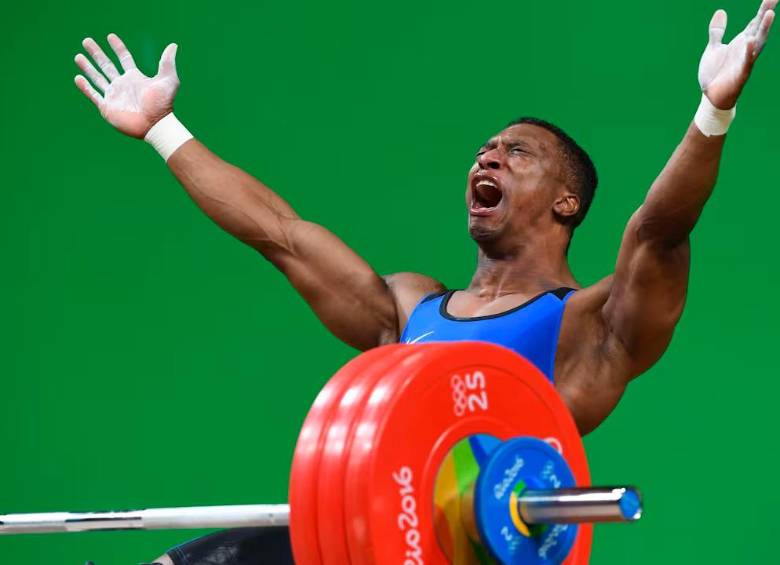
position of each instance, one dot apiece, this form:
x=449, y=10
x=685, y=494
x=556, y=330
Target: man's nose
x=489, y=160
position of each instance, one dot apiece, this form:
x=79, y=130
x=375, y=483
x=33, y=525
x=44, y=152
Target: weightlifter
x=529, y=188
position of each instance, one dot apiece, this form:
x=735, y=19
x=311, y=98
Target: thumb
x=167, y=65
x=718, y=26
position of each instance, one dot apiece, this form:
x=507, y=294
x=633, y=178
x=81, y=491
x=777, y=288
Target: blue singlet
x=530, y=329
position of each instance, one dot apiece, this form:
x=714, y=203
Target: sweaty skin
x=612, y=331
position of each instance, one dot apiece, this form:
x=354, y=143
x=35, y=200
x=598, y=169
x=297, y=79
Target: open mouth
x=485, y=196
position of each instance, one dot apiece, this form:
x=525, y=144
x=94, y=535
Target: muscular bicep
x=647, y=294
x=345, y=293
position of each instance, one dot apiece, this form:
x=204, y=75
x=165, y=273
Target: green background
x=150, y=360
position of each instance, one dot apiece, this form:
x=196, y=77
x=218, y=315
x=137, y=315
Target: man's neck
x=527, y=270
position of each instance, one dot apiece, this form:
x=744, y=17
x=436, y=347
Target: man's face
x=516, y=178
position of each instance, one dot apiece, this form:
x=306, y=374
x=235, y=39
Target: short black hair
x=581, y=172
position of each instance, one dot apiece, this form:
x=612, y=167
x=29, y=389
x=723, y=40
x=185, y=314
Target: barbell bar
x=575, y=505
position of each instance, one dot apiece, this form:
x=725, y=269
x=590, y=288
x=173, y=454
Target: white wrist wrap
x=711, y=120
x=167, y=135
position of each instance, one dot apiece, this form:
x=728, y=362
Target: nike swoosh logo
x=415, y=340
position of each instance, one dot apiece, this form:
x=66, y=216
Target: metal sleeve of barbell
x=575, y=505
x=236, y=516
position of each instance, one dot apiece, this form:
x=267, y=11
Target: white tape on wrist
x=167, y=135
x=711, y=120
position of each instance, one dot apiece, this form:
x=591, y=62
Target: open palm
x=725, y=67
x=131, y=101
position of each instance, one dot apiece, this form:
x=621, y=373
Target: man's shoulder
x=413, y=282
x=590, y=298
x=408, y=289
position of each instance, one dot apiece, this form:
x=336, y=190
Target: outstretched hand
x=130, y=101
x=725, y=67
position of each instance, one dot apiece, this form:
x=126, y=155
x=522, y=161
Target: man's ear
x=567, y=205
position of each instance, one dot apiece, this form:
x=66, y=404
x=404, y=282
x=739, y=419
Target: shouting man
x=529, y=188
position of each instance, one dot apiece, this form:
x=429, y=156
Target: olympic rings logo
x=468, y=394
x=458, y=395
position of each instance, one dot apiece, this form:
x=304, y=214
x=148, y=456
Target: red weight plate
x=357, y=487
x=412, y=420
x=338, y=440
x=303, y=474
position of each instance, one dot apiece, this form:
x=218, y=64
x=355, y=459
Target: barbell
x=438, y=453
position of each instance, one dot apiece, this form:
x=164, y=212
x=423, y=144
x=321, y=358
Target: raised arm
x=647, y=293
x=357, y=305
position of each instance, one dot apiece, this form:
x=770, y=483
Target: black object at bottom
x=241, y=546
